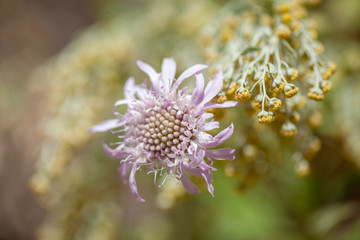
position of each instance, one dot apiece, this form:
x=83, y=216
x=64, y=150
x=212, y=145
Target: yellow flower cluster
x=269, y=56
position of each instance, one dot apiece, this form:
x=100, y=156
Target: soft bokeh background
x=63, y=64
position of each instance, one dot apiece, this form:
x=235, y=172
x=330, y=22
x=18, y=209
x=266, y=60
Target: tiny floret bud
x=316, y=94
x=220, y=98
x=265, y=117
x=292, y=74
x=290, y=90
x=274, y=104
x=286, y=18
x=283, y=32
x=277, y=86
x=326, y=86
x=288, y=129
x=242, y=94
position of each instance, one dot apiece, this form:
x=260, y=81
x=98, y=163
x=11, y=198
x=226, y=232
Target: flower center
x=165, y=131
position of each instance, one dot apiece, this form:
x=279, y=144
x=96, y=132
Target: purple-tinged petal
x=207, y=175
x=153, y=75
x=123, y=171
x=116, y=153
x=106, y=125
x=213, y=87
x=168, y=69
x=188, y=73
x=221, y=137
x=206, y=116
x=204, y=138
x=198, y=158
x=211, y=125
x=133, y=186
x=221, y=154
x=142, y=92
x=198, y=94
x=129, y=89
x=192, y=171
x=188, y=185
x=123, y=101
x=226, y=104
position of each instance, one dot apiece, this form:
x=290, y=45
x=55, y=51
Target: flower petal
x=133, y=186
x=226, y=104
x=221, y=154
x=142, y=91
x=129, y=89
x=204, y=138
x=192, y=171
x=106, y=125
x=207, y=175
x=123, y=101
x=198, y=94
x=188, y=73
x=213, y=87
x=150, y=71
x=206, y=116
x=116, y=153
x=188, y=185
x=123, y=171
x=168, y=69
x=221, y=137
x=211, y=125
x=198, y=158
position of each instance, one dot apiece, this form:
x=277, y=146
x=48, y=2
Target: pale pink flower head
x=164, y=128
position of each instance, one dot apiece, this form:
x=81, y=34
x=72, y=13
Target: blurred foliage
x=78, y=185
